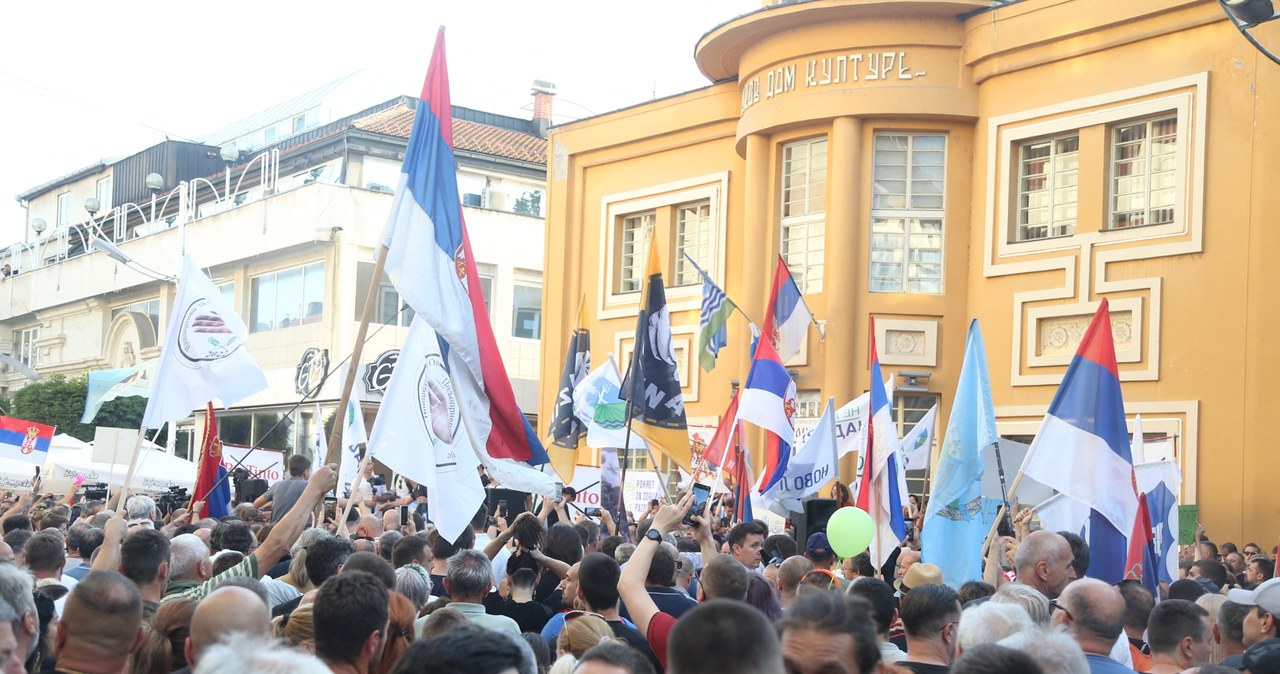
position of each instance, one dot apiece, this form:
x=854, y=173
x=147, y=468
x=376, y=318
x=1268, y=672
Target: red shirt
x=660, y=627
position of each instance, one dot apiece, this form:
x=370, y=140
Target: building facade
x=927, y=162
x=287, y=229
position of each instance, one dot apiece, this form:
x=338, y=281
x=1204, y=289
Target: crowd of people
x=100, y=587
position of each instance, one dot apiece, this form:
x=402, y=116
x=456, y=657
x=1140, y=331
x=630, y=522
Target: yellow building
x=925, y=162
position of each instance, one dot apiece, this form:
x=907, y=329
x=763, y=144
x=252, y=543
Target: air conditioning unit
x=473, y=200
x=495, y=199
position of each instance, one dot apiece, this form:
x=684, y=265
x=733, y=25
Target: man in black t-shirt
x=530, y=615
x=598, y=576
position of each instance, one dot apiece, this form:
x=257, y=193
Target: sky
x=83, y=81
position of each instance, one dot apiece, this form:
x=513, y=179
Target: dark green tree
x=529, y=203
x=59, y=401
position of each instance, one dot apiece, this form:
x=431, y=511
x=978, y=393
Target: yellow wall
x=1191, y=300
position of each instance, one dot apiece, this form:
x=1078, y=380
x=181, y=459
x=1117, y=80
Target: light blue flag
x=953, y=529
x=107, y=385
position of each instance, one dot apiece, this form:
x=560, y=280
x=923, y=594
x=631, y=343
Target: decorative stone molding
x=907, y=341
x=1054, y=332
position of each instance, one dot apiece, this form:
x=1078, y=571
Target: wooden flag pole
x=133, y=462
x=335, y=437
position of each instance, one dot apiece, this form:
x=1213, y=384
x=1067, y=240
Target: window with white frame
x=908, y=184
x=24, y=345
x=379, y=174
x=1048, y=183
x=286, y=298
x=637, y=232
x=804, y=205
x=1144, y=172
x=526, y=308
x=148, y=308
x=695, y=237
x=487, y=274
x=104, y=193
x=64, y=209
x=390, y=309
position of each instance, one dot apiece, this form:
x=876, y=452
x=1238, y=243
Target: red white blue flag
x=429, y=260
x=769, y=401
x=878, y=491
x=23, y=440
x=1082, y=450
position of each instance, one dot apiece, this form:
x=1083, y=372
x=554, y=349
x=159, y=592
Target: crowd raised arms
x=87, y=589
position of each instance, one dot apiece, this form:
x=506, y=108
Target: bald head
x=790, y=573
x=1094, y=614
x=225, y=611
x=369, y=526
x=102, y=617
x=1044, y=562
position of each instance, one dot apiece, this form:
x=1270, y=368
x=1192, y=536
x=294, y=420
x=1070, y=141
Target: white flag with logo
x=811, y=467
x=353, y=442
x=419, y=432
x=917, y=444
x=319, y=443
x=205, y=354
x=597, y=405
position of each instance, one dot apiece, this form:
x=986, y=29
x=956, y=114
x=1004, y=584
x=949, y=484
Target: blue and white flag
x=107, y=385
x=713, y=319
x=597, y=405
x=1160, y=483
x=812, y=466
x=917, y=444
x=953, y=530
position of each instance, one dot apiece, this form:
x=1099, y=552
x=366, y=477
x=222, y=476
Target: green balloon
x=850, y=531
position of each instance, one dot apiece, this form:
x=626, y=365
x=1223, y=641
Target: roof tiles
x=397, y=121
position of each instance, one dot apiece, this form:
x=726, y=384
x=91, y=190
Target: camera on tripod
x=94, y=492
x=172, y=500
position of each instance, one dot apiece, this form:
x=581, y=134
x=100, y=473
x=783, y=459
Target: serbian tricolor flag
x=769, y=401
x=23, y=440
x=787, y=320
x=878, y=491
x=429, y=260
x=1082, y=450
x=217, y=499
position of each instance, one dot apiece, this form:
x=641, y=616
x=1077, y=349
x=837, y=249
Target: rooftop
x=490, y=137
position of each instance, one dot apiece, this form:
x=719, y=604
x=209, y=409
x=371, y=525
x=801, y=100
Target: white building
x=287, y=230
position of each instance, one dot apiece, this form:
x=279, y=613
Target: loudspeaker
x=816, y=513
x=251, y=490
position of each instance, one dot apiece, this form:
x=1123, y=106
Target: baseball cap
x=1266, y=596
x=818, y=546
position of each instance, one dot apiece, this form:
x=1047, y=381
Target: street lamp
x=38, y=226
x=229, y=155
x=155, y=183
x=1245, y=15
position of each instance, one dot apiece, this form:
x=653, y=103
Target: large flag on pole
x=353, y=446
x=107, y=385
x=567, y=430
x=210, y=472
x=653, y=384
x=429, y=260
x=878, y=489
x=1160, y=482
x=953, y=532
x=1082, y=450
x=813, y=465
x=205, y=353
x=320, y=441
x=419, y=432
x=598, y=407
x=713, y=331
x=25, y=441
x=769, y=401
x=719, y=451
x=787, y=320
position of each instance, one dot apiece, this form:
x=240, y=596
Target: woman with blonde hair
x=1213, y=604
x=582, y=631
x=297, y=629
x=400, y=634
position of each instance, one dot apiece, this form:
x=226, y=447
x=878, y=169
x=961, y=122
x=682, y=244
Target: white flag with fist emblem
x=205, y=354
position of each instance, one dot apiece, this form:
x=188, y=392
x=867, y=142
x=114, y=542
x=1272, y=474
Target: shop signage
x=311, y=370
x=378, y=373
